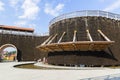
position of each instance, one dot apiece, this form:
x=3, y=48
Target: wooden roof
x=75, y=46
x=14, y=28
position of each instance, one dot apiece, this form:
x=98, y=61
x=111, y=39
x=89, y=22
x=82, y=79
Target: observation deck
x=85, y=13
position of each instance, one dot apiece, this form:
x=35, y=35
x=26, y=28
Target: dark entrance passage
x=19, y=55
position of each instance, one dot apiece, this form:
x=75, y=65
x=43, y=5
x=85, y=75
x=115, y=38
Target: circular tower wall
x=93, y=21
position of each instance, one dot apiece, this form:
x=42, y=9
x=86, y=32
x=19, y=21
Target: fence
x=23, y=33
x=85, y=13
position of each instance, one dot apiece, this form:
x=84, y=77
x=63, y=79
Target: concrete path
x=41, y=64
x=8, y=72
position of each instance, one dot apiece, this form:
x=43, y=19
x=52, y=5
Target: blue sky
x=9, y=49
x=38, y=13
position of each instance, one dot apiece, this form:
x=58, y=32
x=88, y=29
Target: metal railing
x=107, y=77
x=23, y=33
x=85, y=13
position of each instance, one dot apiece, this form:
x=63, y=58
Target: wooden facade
x=72, y=42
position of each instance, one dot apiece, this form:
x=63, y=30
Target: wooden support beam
x=78, y=45
x=74, y=36
x=46, y=40
x=61, y=37
x=60, y=47
x=91, y=46
x=49, y=49
x=104, y=36
x=44, y=49
x=75, y=47
x=88, y=33
x=52, y=39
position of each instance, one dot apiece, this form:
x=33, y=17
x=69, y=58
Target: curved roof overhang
x=75, y=45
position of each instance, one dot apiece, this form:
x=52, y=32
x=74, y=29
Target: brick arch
x=9, y=45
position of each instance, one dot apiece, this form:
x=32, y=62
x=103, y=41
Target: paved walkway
x=40, y=64
x=8, y=72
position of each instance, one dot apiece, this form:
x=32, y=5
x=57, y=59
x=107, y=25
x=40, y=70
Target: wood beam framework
x=46, y=41
x=61, y=37
x=75, y=45
x=74, y=36
x=104, y=36
x=88, y=33
x=52, y=39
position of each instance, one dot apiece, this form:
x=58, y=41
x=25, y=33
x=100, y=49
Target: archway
x=8, y=52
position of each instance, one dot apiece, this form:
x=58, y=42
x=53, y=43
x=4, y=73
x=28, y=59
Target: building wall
x=110, y=27
x=26, y=45
x=27, y=51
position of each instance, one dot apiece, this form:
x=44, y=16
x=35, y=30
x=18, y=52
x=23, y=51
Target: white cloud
x=1, y=6
x=53, y=11
x=113, y=6
x=24, y=23
x=32, y=25
x=13, y=3
x=30, y=8
x=21, y=23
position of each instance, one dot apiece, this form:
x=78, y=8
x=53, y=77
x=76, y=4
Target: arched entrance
x=8, y=52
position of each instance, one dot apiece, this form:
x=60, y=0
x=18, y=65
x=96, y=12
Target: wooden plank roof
x=74, y=46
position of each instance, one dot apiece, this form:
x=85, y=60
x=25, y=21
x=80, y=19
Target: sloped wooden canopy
x=75, y=45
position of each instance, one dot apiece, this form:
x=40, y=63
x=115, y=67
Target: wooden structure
x=75, y=45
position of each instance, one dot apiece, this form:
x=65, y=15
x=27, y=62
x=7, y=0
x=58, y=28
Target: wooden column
x=104, y=36
x=61, y=37
x=45, y=42
x=74, y=37
x=52, y=39
x=88, y=33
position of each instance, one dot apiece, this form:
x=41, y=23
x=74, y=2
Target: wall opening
x=8, y=53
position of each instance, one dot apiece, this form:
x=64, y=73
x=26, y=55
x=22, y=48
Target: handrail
x=23, y=33
x=85, y=13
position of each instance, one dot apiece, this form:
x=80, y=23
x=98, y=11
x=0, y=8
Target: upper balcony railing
x=85, y=13
x=23, y=33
